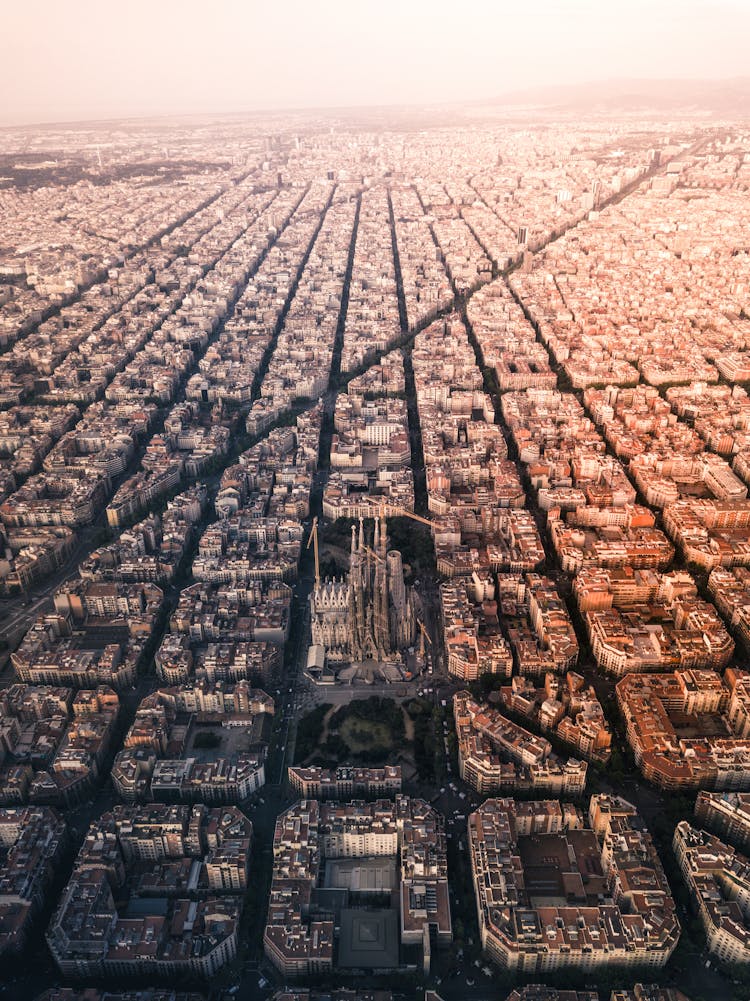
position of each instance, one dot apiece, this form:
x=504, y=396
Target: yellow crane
x=314, y=539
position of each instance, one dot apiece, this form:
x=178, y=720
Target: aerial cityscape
x=375, y=541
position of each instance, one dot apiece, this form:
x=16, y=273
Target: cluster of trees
x=486, y=684
x=428, y=751
x=308, y=732
x=367, y=718
x=376, y=710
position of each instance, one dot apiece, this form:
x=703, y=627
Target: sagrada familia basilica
x=371, y=615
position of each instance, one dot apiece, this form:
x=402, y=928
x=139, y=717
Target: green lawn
x=363, y=735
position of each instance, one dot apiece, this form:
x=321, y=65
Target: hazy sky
x=78, y=59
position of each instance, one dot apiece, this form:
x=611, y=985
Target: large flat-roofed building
x=178, y=875
x=726, y=814
x=640, y=620
x=639, y=992
x=368, y=940
x=554, y=891
x=323, y=783
x=204, y=741
x=718, y=880
x=689, y=729
x=337, y=994
x=33, y=840
x=367, y=876
x=495, y=753
x=94, y=994
x=329, y=855
x=648, y=992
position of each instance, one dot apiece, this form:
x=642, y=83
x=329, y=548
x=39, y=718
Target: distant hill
x=730, y=98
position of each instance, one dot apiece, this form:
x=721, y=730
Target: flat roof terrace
x=561, y=869
x=368, y=940
x=691, y=725
x=375, y=875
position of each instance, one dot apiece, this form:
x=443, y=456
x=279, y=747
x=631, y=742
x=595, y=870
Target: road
x=289, y=705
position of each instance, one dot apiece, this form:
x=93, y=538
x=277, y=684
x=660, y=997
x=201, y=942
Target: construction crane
x=398, y=512
x=373, y=553
x=424, y=636
x=414, y=517
x=314, y=539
